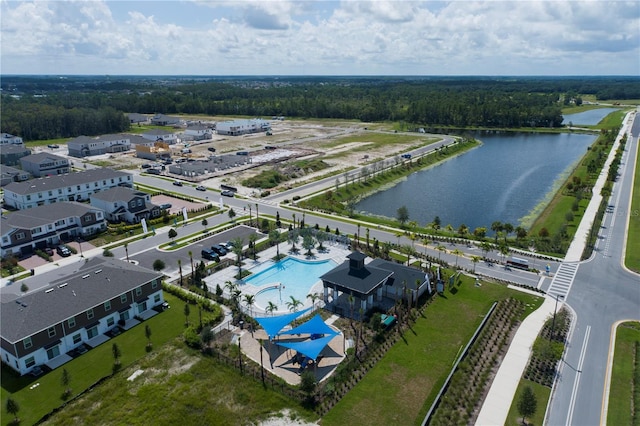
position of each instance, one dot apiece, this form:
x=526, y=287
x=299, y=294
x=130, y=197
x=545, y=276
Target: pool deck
x=336, y=252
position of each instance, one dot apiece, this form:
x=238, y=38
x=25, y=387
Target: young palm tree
x=238, y=243
x=271, y=308
x=294, y=304
x=252, y=242
x=313, y=297
x=457, y=253
x=475, y=259
x=191, y=259
x=249, y=300
x=274, y=236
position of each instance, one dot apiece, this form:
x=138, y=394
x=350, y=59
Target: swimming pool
x=296, y=276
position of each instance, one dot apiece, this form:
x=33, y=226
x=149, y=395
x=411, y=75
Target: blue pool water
x=297, y=278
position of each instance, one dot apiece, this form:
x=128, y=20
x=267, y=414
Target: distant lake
x=592, y=116
x=504, y=179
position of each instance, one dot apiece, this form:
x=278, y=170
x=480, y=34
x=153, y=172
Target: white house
x=242, y=127
x=85, y=146
x=125, y=204
x=68, y=187
x=160, y=135
x=45, y=164
x=7, y=139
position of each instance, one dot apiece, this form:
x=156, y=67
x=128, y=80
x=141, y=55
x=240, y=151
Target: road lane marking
x=576, y=382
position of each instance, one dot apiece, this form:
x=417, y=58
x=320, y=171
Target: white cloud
x=319, y=37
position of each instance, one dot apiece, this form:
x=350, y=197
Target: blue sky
x=376, y=37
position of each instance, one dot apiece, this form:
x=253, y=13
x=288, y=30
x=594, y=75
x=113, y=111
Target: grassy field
x=632, y=257
x=401, y=387
x=625, y=387
x=542, y=394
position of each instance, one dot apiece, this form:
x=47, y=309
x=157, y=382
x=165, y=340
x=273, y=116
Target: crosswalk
x=563, y=279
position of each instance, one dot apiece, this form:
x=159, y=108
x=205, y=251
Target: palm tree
x=249, y=300
x=238, y=243
x=497, y=227
x=235, y=296
x=486, y=247
x=250, y=217
x=191, y=259
x=275, y=236
x=475, y=259
x=292, y=236
x=441, y=249
x=294, y=304
x=457, y=253
x=313, y=297
x=252, y=243
x=180, y=270
x=504, y=251
x=508, y=228
x=257, y=217
x=271, y=307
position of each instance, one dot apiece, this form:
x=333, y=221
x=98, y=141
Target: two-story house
x=160, y=135
x=69, y=187
x=73, y=308
x=7, y=139
x=125, y=204
x=10, y=155
x=85, y=146
x=45, y=164
x=24, y=231
x=242, y=127
x=11, y=174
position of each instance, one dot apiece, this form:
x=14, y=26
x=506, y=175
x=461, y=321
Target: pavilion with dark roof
x=376, y=283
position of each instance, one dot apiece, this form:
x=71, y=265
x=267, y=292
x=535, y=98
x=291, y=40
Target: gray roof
x=118, y=194
x=11, y=171
x=42, y=156
x=359, y=280
x=13, y=149
x=158, y=132
x=402, y=274
x=42, y=215
x=94, y=282
x=61, y=181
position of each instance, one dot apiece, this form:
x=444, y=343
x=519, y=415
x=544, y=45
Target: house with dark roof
x=135, y=118
x=68, y=187
x=45, y=164
x=11, y=174
x=85, y=146
x=165, y=120
x=10, y=155
x=24, y=231
x=74, y=308
x=356, y=284
x=125, y=204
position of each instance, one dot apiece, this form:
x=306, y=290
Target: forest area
x=39, y=108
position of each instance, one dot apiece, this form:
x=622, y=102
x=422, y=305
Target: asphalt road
x=603, y=292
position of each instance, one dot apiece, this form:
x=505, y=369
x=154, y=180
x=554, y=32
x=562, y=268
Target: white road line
x=576, y=382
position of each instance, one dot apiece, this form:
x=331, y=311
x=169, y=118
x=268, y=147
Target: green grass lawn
x=625, y=391
x=632, y=256
x=401, y=387
x=92, y=366
x=542, y=394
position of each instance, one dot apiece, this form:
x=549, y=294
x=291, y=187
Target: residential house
x=165, y=120
x=7, y=139
x=74, y=309
x=356, y=284
x=10, y=155
x=24, y=231
x=45, y=164
x=198, y=132
x=160, y=135
x=85, y=146
x=135, y=118
x=242, y=127
x=11, y=174
x=125, y=204
x=153, y=151
x=69, y=187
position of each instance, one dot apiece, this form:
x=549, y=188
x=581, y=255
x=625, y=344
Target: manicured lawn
x=632, y=257
x=625, y=390
x=542, y=394
x=92, y=366
x=400, y=389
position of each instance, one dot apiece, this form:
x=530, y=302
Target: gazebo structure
x=377, y=283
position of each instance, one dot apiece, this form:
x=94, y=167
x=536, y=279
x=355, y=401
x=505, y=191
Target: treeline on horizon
x=38, y=108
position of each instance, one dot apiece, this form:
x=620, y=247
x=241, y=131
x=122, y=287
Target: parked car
x=177, y=183
x=200, y=188
x=63, y=251
x=53, y=146
x=209, y=255
x=146, y=166
x=49, y=251
x=220, y=249
x=165, y=206
x=154, y=171
x=227, y=193
x=212, y=149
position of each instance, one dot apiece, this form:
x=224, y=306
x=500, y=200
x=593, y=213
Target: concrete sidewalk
x=498, y=401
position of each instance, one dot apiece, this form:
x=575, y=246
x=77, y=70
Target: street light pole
x=80, y=245
x=261, y=363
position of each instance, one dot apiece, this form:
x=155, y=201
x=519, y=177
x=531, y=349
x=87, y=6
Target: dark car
x=218, y=248
x=63, y=251
x=165, y=206
x=209, y=255
x=228, y=193
x=146, y=166
x=48, y=251
x=177, y=183
x=200, y=188
x=212, y=149
x=154, y=171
